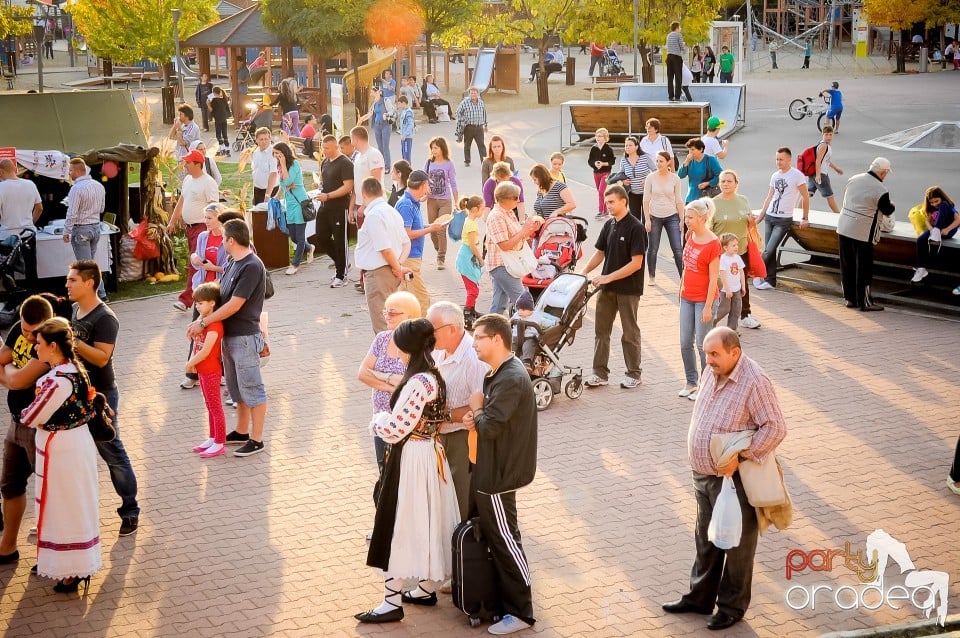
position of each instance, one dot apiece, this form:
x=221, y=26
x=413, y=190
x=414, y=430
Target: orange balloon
x=393, y=23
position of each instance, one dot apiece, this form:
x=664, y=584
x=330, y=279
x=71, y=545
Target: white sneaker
x=687, y=391
x=652, y=281
x=179, y=305
x=693, y=395
x=919, y=275
x=763, y=285
x=749, y=322
x=446, y=587
x=757, y=281
x=629, y=383
x=337, y=283
x=292, y=270
x=509, y=624
x=593, y=381
x=310, y=250
x=189, y=383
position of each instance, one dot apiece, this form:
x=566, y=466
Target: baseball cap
x=714, y=123
x=194, y=156
x=417, y=178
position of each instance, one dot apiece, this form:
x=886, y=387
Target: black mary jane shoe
x=426, y=601
x=12, y=557
x=394, y=615
x=67, y=586
x=722, y=620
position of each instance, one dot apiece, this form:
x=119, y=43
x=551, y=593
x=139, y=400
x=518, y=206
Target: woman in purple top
x=382, y=369
x=501, y=172
x=443, y=192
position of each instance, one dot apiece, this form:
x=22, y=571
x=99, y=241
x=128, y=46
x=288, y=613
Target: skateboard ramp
x=483, y=73
x=727, y=101
x=937, y=137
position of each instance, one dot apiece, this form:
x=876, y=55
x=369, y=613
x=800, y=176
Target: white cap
x=880, y=164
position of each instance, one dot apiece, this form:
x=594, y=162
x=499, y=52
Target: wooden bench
x=679, y=121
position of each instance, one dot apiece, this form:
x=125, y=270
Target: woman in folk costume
x=68, y=525
x=417, y=509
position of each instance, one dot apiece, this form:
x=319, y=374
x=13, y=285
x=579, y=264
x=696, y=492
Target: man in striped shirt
x=735, y=395
x=676, y=47
x=82, y=226
x=471, y=124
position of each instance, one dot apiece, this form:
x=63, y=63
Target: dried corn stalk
x=157, y=220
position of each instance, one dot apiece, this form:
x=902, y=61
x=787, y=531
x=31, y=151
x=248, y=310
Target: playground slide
x=483, y=73
x=184, y=67
x=727, y=101
x=380, y=61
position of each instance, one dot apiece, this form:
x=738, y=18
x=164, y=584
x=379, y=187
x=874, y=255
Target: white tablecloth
x=54, y=255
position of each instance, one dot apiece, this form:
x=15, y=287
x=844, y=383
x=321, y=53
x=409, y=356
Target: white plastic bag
x=726, y=524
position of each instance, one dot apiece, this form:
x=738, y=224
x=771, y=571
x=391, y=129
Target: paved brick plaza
x=274, y=544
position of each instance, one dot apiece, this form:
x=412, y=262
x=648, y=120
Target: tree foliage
x=15, y=21
x=131, y=30
x=322, y=27
x=896, y=14
x=442, y=19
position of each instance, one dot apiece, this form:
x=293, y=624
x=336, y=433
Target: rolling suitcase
x=474, y=579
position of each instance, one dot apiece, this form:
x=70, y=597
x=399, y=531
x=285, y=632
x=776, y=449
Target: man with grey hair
x=864, y=200
x=463, y=374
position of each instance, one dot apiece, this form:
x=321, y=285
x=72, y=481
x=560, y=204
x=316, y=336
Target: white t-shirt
x=711, y=145
x=17, y=199
x=827, y=157
x=262, y=164
x=650, y=149
x=382, y=228
x=363, y=167
x=197, y=192
x=786, y=190
x=733, y=266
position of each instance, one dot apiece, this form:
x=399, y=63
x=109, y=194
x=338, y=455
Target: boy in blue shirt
x=406, y=127
x=836, y=105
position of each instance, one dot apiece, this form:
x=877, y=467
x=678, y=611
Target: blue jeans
x=115, y=455
x=692, y=327
x=381, y=132
x=672, y=225
x=406, y=148
x=84, y=240
x=298, y=235
x=777, y=229
x=506, y=289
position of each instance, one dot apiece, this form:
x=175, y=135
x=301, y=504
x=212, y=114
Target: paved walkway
x=274, y=544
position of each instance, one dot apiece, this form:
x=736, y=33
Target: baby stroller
x=565, y=298
x=11, y=262
x=558, y=250
x=611, y=65
x=245, y=134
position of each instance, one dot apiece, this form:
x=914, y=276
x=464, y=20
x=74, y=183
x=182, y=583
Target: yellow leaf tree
x=127, y=31
x=899, y=15
x=15, y=21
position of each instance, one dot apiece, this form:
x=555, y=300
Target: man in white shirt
x=368, y=162
x=20, y=203
x=382, y=245
x=820, y=180
x=263, y=165
x=184, y=131
x=711, y=143
x=652, y=143
x=786, y=185
x=463, y=373
x=198, y=190
x=81, y=229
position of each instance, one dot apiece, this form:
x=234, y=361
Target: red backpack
x=807, y=160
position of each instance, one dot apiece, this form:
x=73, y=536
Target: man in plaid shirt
x=735, y=395
x=471, y=124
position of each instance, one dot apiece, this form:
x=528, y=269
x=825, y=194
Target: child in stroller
x=532, y=323
x=245, y=138
x=611, y=64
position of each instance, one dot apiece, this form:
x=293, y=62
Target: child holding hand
x=469, y=257
x=733, y=281
x=205, y=362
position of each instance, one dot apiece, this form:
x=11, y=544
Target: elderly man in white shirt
x=382, y=245
x=81, y=228
x=463, y=373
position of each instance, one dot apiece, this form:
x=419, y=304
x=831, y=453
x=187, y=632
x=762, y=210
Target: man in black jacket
x=504, y=416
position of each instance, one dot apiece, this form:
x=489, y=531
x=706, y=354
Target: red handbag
x=755, y=267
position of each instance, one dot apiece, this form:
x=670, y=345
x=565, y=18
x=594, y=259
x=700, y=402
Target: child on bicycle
x=836, y=105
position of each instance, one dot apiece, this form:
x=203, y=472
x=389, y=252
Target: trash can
x=571, y=71
x=924, y=61
x=273, y=247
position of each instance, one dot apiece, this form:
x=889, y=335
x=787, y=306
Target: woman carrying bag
x=505, y=233
x=735, y=216
x=294, y=194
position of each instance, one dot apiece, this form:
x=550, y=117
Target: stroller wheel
x=543, y=393
x=574, y=387
x=238, y=146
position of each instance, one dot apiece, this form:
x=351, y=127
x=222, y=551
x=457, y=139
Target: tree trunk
x=543, y=94
x=943, y=58
x=429, y=37
x=646, y=70
x=902, y=51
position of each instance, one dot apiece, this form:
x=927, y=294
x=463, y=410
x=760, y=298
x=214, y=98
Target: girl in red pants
x=600, y=160
x=469, y=257
x=205, y=362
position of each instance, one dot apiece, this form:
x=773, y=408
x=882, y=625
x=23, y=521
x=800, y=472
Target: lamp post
x=636, y=43
x=176, y=44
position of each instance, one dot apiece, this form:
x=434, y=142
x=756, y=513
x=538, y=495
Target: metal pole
x=636, y=37
x=833, y=18
x=69, y=35
x=749, y=34
x=38, y=32
x=176, y=44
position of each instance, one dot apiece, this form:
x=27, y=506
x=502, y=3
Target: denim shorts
x=19, y=457
x=824, y=186
x=241, y=368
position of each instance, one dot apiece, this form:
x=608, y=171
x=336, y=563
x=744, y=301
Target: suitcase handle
x=475, y=525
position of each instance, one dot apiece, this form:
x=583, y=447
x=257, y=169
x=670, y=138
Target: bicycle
x=807, y=107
